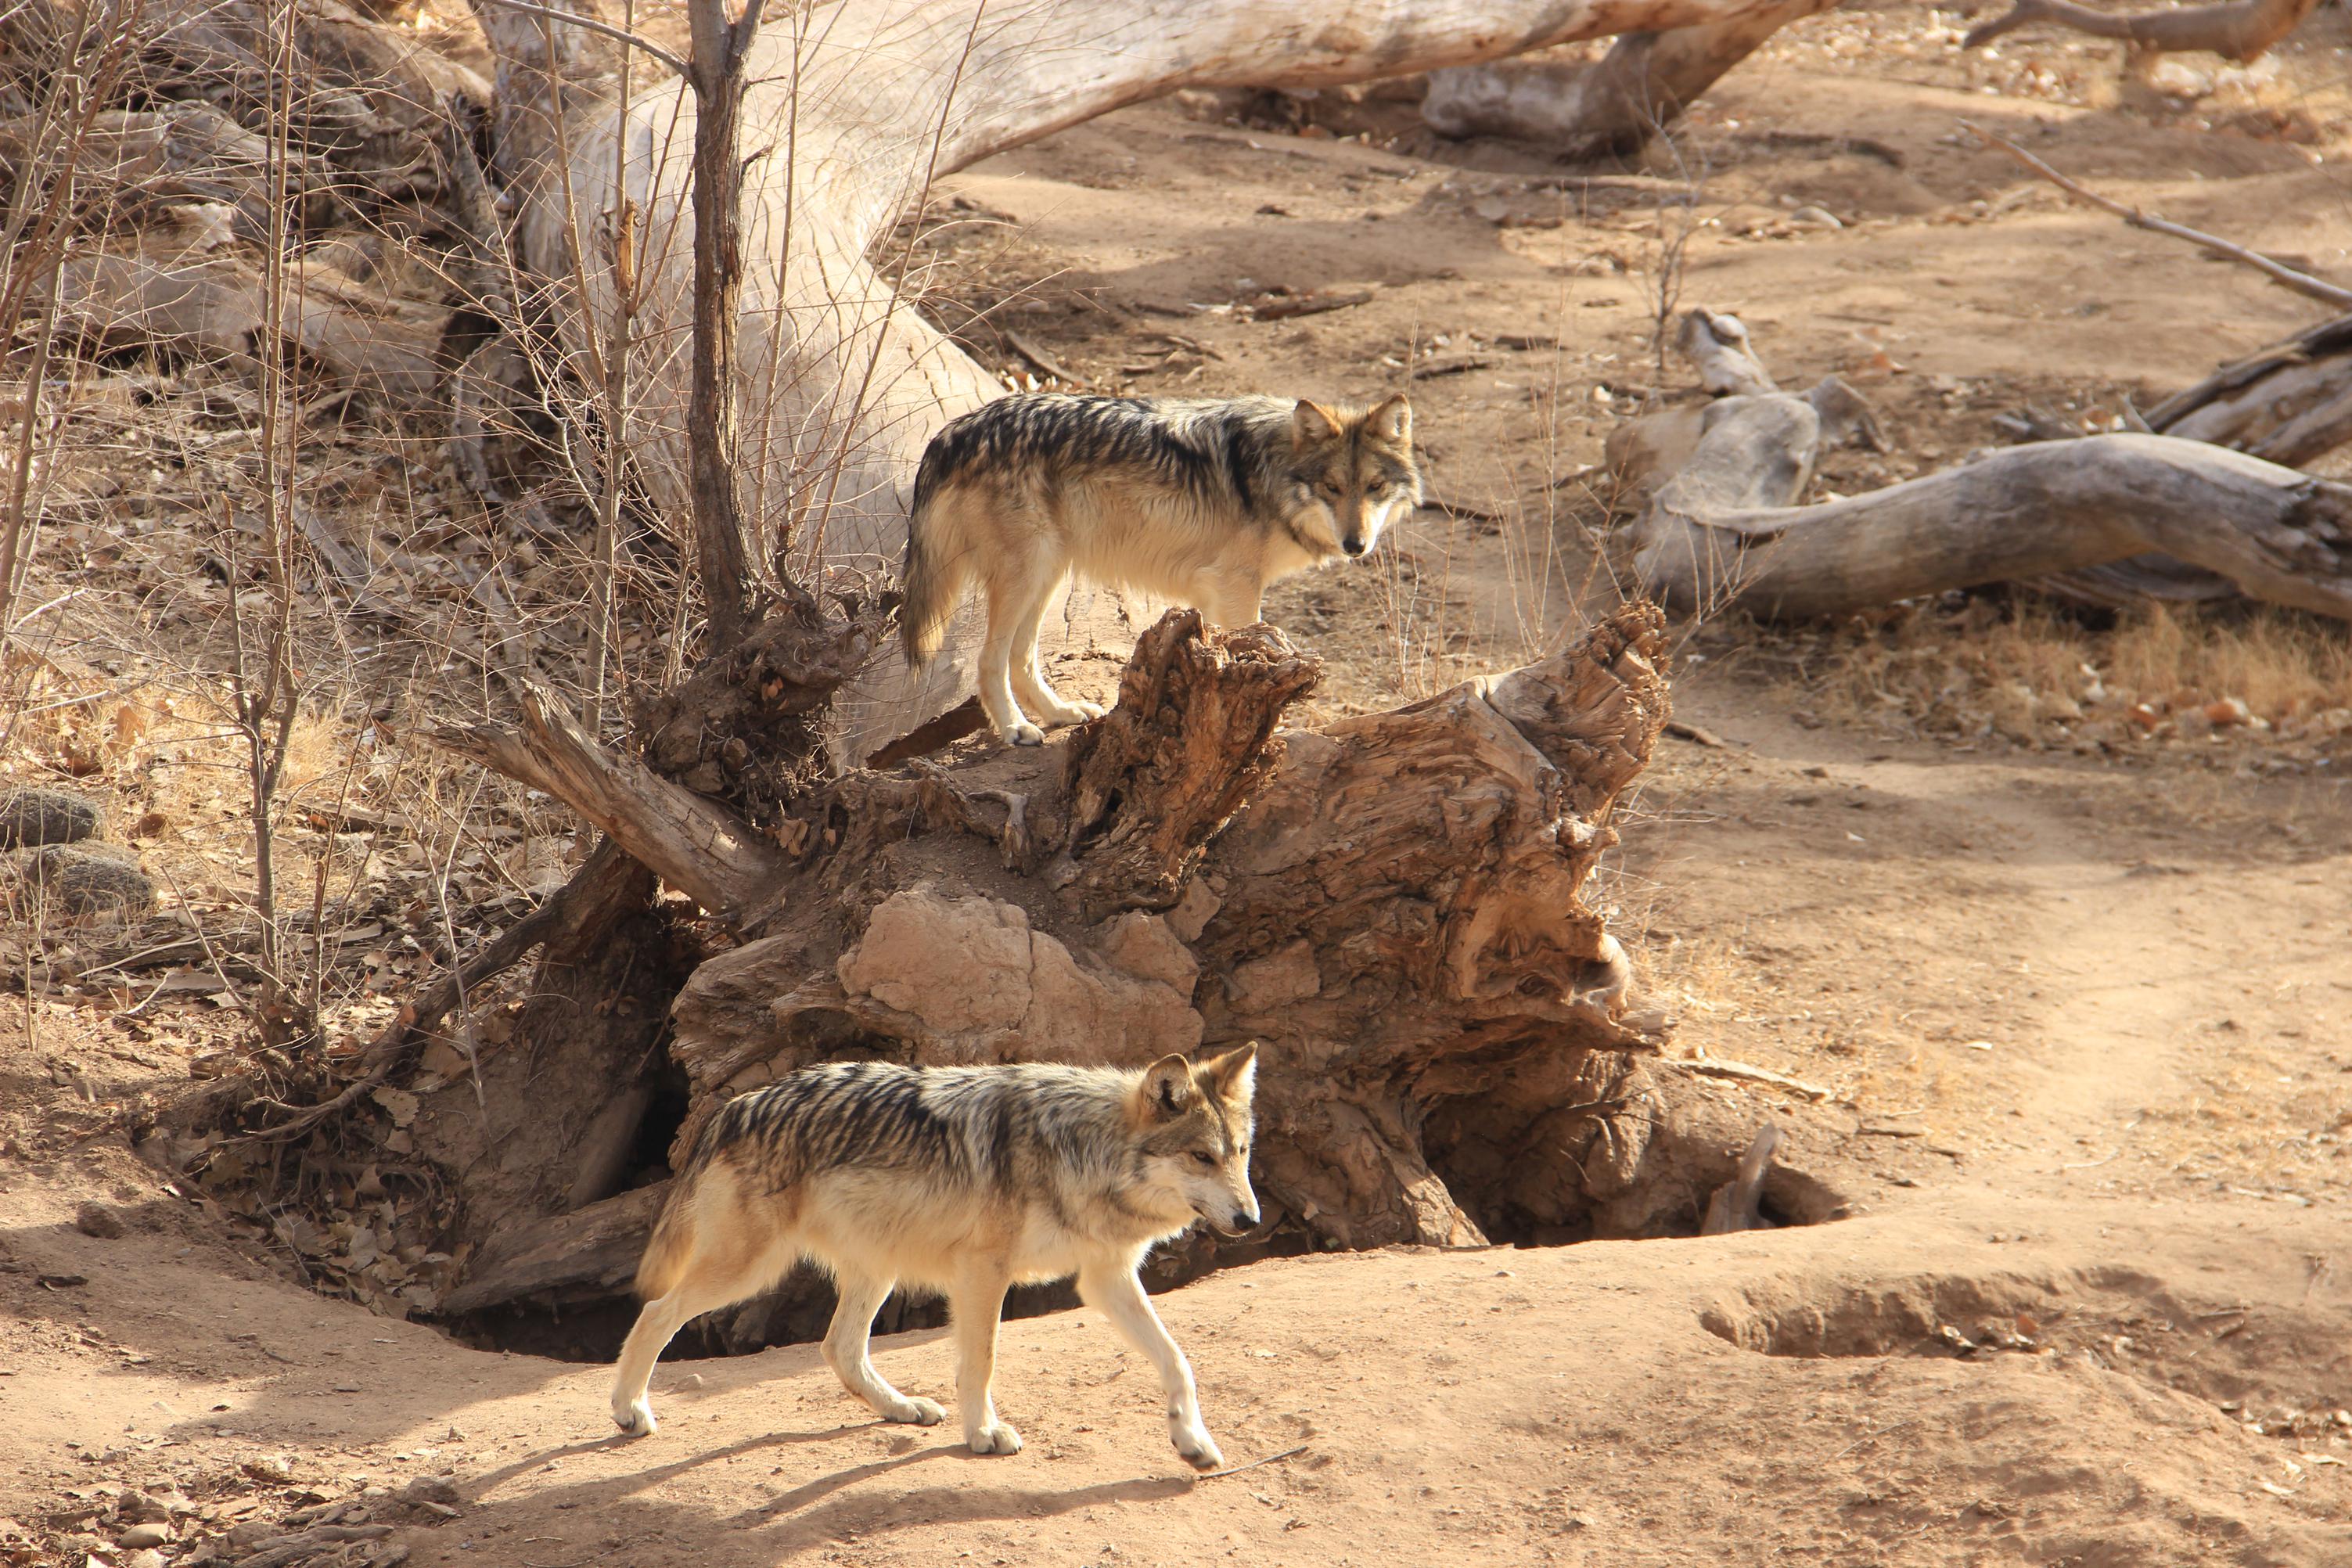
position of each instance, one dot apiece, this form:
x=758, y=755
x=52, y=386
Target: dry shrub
x=2025, y=669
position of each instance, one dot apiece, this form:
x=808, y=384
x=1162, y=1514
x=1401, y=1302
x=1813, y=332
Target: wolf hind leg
x=1029, y=682
x=975, y=1305
x=720, y=1270
x=1017, y=590
x=1119, y=1295
x=847, y=1352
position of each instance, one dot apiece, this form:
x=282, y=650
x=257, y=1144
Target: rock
x=134, y=1507
x=958, y=965
x=1287, y=974
x=100, y=1220
x=2227, y=710
x=83, y=882
x=270, y=1467
x=147, y=1557
x=431, y=1489
x=143, y=1535
x=1815, y=217
x=30, y=816
x=983, y=984
x=1146, y=947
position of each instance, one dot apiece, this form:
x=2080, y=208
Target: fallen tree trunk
x=2238, y=30
x=1392, y=907
x=1724, y=530
x=1612, y=107
x=2288, y=404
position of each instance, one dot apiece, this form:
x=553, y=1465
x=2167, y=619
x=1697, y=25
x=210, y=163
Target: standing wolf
x=963, y=1181
x=1202, y=502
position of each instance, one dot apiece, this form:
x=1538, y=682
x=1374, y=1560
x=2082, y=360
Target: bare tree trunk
x=1612, y=107
x=1724, y=530
x=2238, y=30
x=716, y=75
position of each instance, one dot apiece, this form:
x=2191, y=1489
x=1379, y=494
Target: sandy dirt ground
x=2080, y=1015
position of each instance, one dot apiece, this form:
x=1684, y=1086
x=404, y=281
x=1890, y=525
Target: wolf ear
x=1392, y=420
x=1233, y=1077
x=1311, y=423
x=1166, y=1088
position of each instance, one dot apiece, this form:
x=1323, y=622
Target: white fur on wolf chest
x=986, y=987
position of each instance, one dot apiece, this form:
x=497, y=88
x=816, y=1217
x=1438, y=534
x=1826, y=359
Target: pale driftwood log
x=135, y=165
x=858, y=107
x=2237, y=30
x=2289, y=403
x=1724, y=530
x=1613, y=105
x=188, y=302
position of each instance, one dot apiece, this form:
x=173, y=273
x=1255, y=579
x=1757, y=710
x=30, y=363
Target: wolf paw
x=634, y=1420
x=1024, y=735
x=1073, y=712
x=997, y=1438
x=1200, y=1449
x=916, y=1412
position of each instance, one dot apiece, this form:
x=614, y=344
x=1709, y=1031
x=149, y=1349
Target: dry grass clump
x=2023, y=670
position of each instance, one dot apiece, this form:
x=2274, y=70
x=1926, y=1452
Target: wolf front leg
x=976, y=1303
x=848, y=1351
x=1118, y=1294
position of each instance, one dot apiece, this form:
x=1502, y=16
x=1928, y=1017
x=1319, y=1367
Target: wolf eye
x=1330, y=487
x=1208, y=1161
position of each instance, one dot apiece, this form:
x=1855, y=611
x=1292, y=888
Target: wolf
x=959, y=1181
x=1202, y=501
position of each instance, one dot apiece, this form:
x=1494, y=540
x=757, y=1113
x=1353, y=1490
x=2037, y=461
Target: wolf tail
x=934, y=579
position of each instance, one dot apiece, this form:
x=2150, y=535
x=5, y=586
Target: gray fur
x=1202, y=501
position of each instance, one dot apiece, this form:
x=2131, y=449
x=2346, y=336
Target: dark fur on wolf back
x=1235, y=457
x=980, y=1126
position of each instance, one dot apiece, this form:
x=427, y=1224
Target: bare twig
x=619, y=35
x=2277, y=271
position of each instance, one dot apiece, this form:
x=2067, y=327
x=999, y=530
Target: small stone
x=48, y=816
x=2227, y=710
x=147, y=1558
x=1815, y=218
x=143, y=1535
x=271, y=1467
x=99, y=1220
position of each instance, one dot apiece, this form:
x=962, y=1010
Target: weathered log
x=1724, y=530
x=2238, y=30
x=217, y=308
x=1612, y=107
x=1392, y=907
x=590, y=1252
x=696, y=846
x=2289, y=403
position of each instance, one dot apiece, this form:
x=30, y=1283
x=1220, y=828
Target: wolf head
x=1353, y=471
x=1196, y=1122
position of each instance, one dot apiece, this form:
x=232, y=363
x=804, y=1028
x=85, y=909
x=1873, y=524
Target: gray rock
x=48, y=816
x=83, y=882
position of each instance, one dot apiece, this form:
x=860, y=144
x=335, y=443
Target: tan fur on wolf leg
x=1014, y=597
x=1029, y=683
x=1119, y=1295
x=656, y=1325
x=847, y=1350
x=975, y=1305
